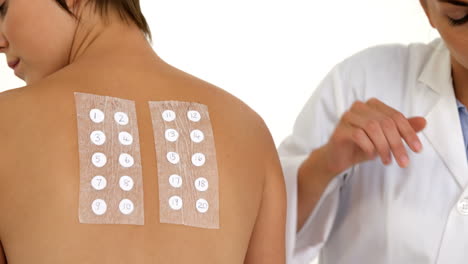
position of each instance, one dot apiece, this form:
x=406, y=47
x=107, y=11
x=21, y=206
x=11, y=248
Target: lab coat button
x=463, y=206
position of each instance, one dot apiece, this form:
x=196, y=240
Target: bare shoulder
x=244, y=126
x=20, y=119
x=17, y=102
x=14, y=105
x=233, y=120
x=10, y=104
x=9, y=99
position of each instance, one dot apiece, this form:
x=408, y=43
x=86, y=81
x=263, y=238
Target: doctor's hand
x=369, y=130
x=365, y=131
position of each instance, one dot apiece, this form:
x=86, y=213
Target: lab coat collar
x=437, y=73
x=443, y=128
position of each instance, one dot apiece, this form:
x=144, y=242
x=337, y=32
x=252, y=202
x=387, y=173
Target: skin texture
x=39, y=169
x=372, y=129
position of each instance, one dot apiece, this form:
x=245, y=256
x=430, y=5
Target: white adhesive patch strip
x=111, y=183
x=187, y=166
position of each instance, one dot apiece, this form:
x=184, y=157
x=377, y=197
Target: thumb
x=417, y=123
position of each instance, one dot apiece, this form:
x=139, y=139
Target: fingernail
x=417, y=145
x=404, y=161
x=388, y=161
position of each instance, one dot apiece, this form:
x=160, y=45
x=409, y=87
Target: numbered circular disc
x=175, y=181
x=193, y=116
x=126, y=206
x=171, y=135
x=197, y=136
x=121, y=118
x=169, y=115
x=201, y=184
x=96, y=115
x=99, y=183
x=125, y=138
x=173, y=157
x=98, y=137
x=126, y=183
x=99, y=207
x=202, y=206
x=99, y=159
x=198, y=159
x=126, y=160
x=175, y=202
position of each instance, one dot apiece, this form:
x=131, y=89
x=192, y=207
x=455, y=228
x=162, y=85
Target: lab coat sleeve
x=312, y=130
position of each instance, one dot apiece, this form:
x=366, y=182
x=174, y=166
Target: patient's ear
x=425, y=6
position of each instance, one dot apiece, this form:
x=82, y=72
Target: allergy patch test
x=111, y=181
x=111, y=186
x=187, y=166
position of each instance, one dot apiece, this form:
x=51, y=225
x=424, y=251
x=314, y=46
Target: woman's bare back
x=40, y=173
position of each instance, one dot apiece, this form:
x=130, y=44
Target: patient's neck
x=97, y=40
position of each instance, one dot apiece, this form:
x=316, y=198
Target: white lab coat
x=373, y=214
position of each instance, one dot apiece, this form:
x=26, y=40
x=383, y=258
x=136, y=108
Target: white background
x=271, y=53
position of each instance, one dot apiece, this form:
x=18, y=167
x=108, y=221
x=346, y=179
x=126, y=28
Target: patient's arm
x=2, y=255
x=267, y=244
